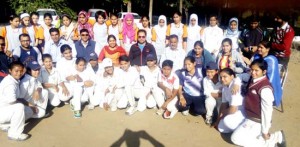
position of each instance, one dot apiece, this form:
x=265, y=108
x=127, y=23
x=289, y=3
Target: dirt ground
x=101, y=128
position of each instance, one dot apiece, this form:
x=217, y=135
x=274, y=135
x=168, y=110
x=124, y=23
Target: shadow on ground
x=132, y=138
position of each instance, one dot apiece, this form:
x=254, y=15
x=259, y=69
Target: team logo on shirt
x=253, y=91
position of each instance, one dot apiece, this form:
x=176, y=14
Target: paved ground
x=101, y=128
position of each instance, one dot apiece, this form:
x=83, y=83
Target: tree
x=29, y=6
x=128, y=2
x=150, y=10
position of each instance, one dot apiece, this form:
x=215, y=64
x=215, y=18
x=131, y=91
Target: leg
x=210, y=104
x=171, y=107
x=53, y=98
x=76, y=101
x=230, y=122
x=158, y=96
x=42, y=104
x=199, y=105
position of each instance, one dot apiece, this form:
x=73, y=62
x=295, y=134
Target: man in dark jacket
x=139, y=51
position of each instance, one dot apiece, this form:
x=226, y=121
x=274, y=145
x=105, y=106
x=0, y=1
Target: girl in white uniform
x=151, y=94
x=50, y=79
x=159, y=36
x=43, y=31
x=11, y=33
x=68, y=29
x=113, y=29
x=100, y=29
x=145, y=25
x=32, y=90
x=12, y=113
x=83, y=84
x=231, y=111
x=193, y=32
x=28, y=28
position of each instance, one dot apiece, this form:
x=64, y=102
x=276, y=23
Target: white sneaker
x=130, y=111
x=21, y=137
x=160, y=111
x=185, y=113
x=4, y=127
x=113, y=109
x=91, y=107
x=208, y=121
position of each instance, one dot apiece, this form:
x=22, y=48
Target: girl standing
x=233, y=33
x=113, y=29
x=145, y=25
x=128, y=33
x=231, y=111
x=254, y=130
x=84, y=24
x=43, y=32
x=100, y=29
x=193, y=32
x=179, y=29
x=159, y=36
x=28, y=28
x=68, y=29
x=11, y=33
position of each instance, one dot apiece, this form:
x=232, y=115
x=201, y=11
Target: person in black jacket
x=139, y=51
x=5, y=59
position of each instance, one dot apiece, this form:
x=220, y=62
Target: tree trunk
x=150, y=10
x=180, y=6
x=129, y=6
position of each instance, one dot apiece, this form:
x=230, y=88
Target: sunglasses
x=2, y=44
x=25, y=40
x=142, y=36
x=84, y=34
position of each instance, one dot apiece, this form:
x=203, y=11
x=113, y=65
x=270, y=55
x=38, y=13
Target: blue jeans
x=196, y=104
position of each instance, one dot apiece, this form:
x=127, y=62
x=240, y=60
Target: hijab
x=86, y=25
x=230, y=33
x=161, y=31
x=128, y=30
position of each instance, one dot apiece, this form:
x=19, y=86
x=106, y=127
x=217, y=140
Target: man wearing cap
x=174, y=53
x=94, y=65
x=109, y=88
x=28, y=28
x=139, y=51
x=26, y=52
x=282, y=39
x=85, y=46
x=52, y=47
x=32, y=92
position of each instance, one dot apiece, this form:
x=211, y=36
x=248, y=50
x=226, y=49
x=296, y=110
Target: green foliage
x=32, y=5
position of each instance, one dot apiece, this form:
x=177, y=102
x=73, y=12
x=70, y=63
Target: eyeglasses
x=2, y=44
x=84, y=34
x=142, y=36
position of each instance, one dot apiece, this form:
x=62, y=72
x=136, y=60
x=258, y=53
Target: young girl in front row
x=50, y=79
x=254, y=130
x=231, y=110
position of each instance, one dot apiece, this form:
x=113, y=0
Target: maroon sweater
x=253, y=99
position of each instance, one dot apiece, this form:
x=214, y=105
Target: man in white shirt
x=52, y=47
x=174, y=53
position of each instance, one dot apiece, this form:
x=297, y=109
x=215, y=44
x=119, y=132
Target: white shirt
x=151, y=77
x=27, y=86
x=233, y=100
x=9, y=91
x=110, y=82
x=54, y=49
x=86, y=75
x=177, y=31
x=210, y=87
x=212, y=38
x=53, y=77
x=177, y=56
x=100, y=34
x=114, y=30
x=64, y=67
x=171, y=82
x=69, y=33
x=131, y=77
x=12, y=37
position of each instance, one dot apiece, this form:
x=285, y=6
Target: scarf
x=128, y=30
x=161, y=31
x=86, y=25
x=230, y=33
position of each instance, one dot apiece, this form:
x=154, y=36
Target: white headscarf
x=231, y=33
x=161, y=31
x=193, y=16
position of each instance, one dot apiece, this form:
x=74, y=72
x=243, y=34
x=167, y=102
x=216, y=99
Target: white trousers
x=230, y=122
x=41, y=104
x=14, y=115
x=248, y=134
x=114, y=100
x=210, y=104
x=55, y=98
x=81, y=95
x=150, y=98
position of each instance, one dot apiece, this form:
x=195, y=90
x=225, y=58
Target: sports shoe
x=167, y=114
x=91, y=107
x=282, y=143
x=160, y=111
x=71, y=107
x=113, y=108
x=185, y=113
x=130, y=111
x=77, y=114
x=21, y=137
x=4, y=127
x=208, y=121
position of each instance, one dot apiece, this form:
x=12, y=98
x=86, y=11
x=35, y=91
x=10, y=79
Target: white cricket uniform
x=231, y=121
x=31, y=32
x=53, y=77
x=193, y=33
x=28, y=85
x=69, y=33
x=12, y=112
x=114, y=30
x=113, y=97
x=12, y=37
x=210, y=102
x=172, y=83
x=179, y=32
x=212, y=39
x=100, y=34
x=177, y=56
x=151, y=94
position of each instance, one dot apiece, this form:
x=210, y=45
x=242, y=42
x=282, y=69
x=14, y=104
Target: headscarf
x=128, y=30
x=234, y=33
x=86, y=25
x=161, y=31
x=193, y=16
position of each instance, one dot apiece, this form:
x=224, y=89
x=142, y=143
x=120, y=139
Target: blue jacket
x=85, y=51
x=205, y=58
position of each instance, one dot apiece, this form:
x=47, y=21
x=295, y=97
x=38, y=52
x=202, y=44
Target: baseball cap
x=24, y=15
x=212, y=66
x=33, y=65
x=150, y=57
x=93, y=56
x=107, y=62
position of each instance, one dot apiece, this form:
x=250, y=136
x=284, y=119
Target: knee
x=210, y=101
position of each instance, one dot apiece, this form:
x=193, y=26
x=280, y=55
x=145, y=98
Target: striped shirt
x=192, y=84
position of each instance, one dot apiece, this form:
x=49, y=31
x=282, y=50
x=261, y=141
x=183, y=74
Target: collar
x=88, y=42
x=13, y=79
x=285, y=26
x=45, y=70
x=258, y=79
x=59, y=42
x=187, y=73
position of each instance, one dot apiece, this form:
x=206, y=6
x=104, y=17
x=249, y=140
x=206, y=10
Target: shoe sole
x=283, y=143
x=18, y=139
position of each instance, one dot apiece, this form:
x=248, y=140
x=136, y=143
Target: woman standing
x=233, y=33
x=28, y=28
x=145, y=25
x=84, y=24
x=193, y=32
x=68, y=29
x=159, y=36
x=11, y=33
x=128, y=33
x=100, y=29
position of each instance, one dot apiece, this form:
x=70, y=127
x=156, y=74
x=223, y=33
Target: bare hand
x=65, y=91
x=182, y=102
x=78, y=78
x=246, y=49
x=34, y=109
x=168, y=93
x=106, y=91
x=70, y=78
x=8, y=53
x=266, y=136
x=56, y=88
x=88, y=83
x=36, y=95
x=235, y=89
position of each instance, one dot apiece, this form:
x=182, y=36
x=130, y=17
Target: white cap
x=24, y=15
x=107, y=62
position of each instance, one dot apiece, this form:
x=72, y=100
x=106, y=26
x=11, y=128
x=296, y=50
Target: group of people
x=230, y=77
